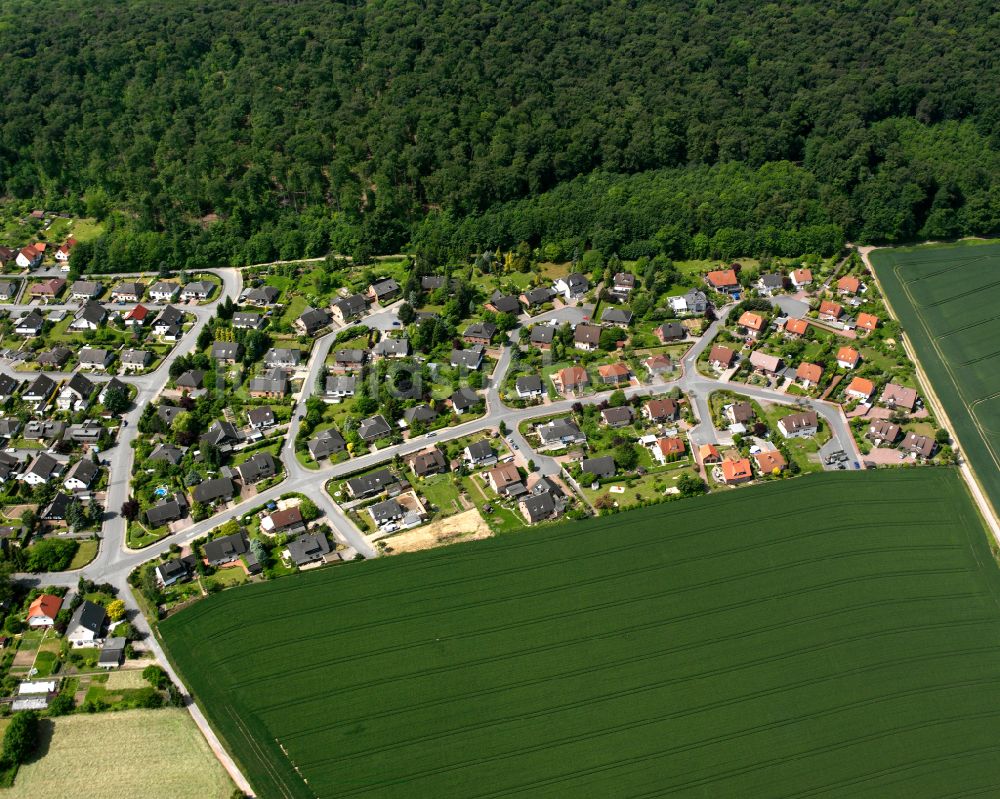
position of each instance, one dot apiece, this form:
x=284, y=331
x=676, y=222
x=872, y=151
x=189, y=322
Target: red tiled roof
x=809, y=371
x=797, y=326
x=723, y=278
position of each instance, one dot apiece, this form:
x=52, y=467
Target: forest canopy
x=213, y=131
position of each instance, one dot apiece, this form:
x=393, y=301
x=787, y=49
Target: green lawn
x=86, y=553
x=719, y=646
x=945, y=298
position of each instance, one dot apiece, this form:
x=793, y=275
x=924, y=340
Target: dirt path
x=985, y=507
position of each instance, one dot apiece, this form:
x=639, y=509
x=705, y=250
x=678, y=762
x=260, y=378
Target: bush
x=155, y=676
x=50, y=555
x=61, y=705
x=20, y=738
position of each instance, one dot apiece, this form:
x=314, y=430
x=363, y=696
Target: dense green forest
x=208, y=131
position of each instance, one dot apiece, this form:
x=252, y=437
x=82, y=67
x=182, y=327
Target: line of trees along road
x=206, y=131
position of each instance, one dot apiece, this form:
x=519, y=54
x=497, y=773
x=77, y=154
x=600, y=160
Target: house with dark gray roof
x=39, y=390
x=273, y=383
x=30, y=324
x=261, y=296
x=528, y=387
x=209, y=491
x=54, y=358
x=247, y=320
x=175, y=570
x=86, y=626
x=542, y=336
x=386, y=512
x=464, y=399
x=326, y=443
x=308, y=548
x=340, y=386
x=191, y=380
x=257, y=467
x=197, y=290
x=420, y=413
x=226, y=351
x=617, y=317
x=384, y=290
x=374, y=428
x=227, y=548
x=392, y=348
x=470, y=358
x=368, y=485
x=480, y=453
x=168, y=453
x=222, y=435
x=90, y=317
x=81, y=475
x=262, y=417
x=480, y=333
x=504, y=303
x=283, y=357
x=532, y=298
x=346, y=309
x=95, y=358
x=166, y=511
x=599, y=468
x=311, y=320
x=537, y=507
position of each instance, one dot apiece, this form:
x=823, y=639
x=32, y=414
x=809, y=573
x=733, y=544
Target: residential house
x=374, y=428
x=600, y=468
x=43, y=610
x=848, y=286
x=8, y=385
x=136, y=316
x=29, y=257
x=81, y=475
x=809, y=374
x=349, y=308
x=261, y=418
x=368, y=485
x=95, y=358
x=571, y=379
x=830, y=311
x=282, y=358
x=247, y=320
x=616, y=317
x=127, y=291
x=614, y=374
x=191, y=380
x=86, y=627
x=272, y=384
x=221, y=434
x=87, y=432
x=572, y=287
x=257, y=467
x=112, y=653
x=480, y=333
x=169, y=323
x=799, y=425
x=384, y=290
x=311, y=321
x=75, y=394
x=136, y=360
x=751, y=324
x=7, y=255
x=210, y=491
x=802, y=278
x=167, y=452
x=617, y=417
x=770, y=284
x=667, y=449
x=197, y=290
x=55, y=511
x=622, y=285
x=30, y=324
x=47, y=289
x=479, y=454
x=542, y=336
x=470, y=358
x=227, y=352
x=724, y=281
x=721, y=358
x=464, y=399
x=64, y=251
x=164, y=291
x=90, y=316
x=694, y=302
x=918, y=446
x=528, y=387
x=867, y=322
x=708, y=454
x=287, y=520
x=9, y=428
x=660, y=410
x=39, y=390
x=535, y=298
x=422, y=414
x=794, y=328
x=54, y=358
x=586, y=337
x=167, y=413
x=167, y=510
x=736, y=472
x=670, y=332
x=308, y=548
x=8, y=290
x=433, y=282
x=392, y=348
x=348, y=360
x=537, y=507
x=764, y=363
x=740, y=412
x=658, y=365
x=504, y=303
x=848, y=357
x=173, y=571
x=882, y=431
x=896, y=396
x=387, y=513
x=340, y=386
x=260, y=296
x=326, y=443
x=44, y=429
x=226, y=549
x=770, y=462
x=430, y=461
x=558, y=432
x=860, y=388
x=505, y=480
x=85, y=289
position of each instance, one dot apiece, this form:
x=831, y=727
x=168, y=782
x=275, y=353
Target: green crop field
x=835, y=635
x=948, y=301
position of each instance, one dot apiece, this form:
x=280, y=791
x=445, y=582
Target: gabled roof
x=587, y=334
x=809, y=371
x=861, y=385
x=88, y=615
x=211, y=490
x=867, y=321
x=84, y=470
x=752, y=321
x=770, y=460
x=720, y=354
x=722, y=278
x=848, y=355
x=797, y=326
x=849, y=284
x=47, y=605
x=736, y=470
x=830, y=308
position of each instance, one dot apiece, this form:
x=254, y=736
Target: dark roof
x=528, y=384
x=193, y=378
x=314, y=319
x=485, y=330
x=326, y=443
x=374, y=427
x=351, y=306
x=542, y=334
x=616, y=316
x=308, y=548
x=227, y=548
x=742, y=412
x=372, y=483
x=166, y=511
x=41, y=386
x=465, y=398
x=420, y=413
x=88, y=615
x=599, y=467
x=221, y=433
x=385, y=511
x=211, y=490
x=480, y=450
x=56, y=509
x=505, y=303
x=257, y=467
x=539, y=506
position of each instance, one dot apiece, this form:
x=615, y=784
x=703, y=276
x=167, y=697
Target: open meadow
x=837, y=635
x=947, y=299
x=134, y=754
